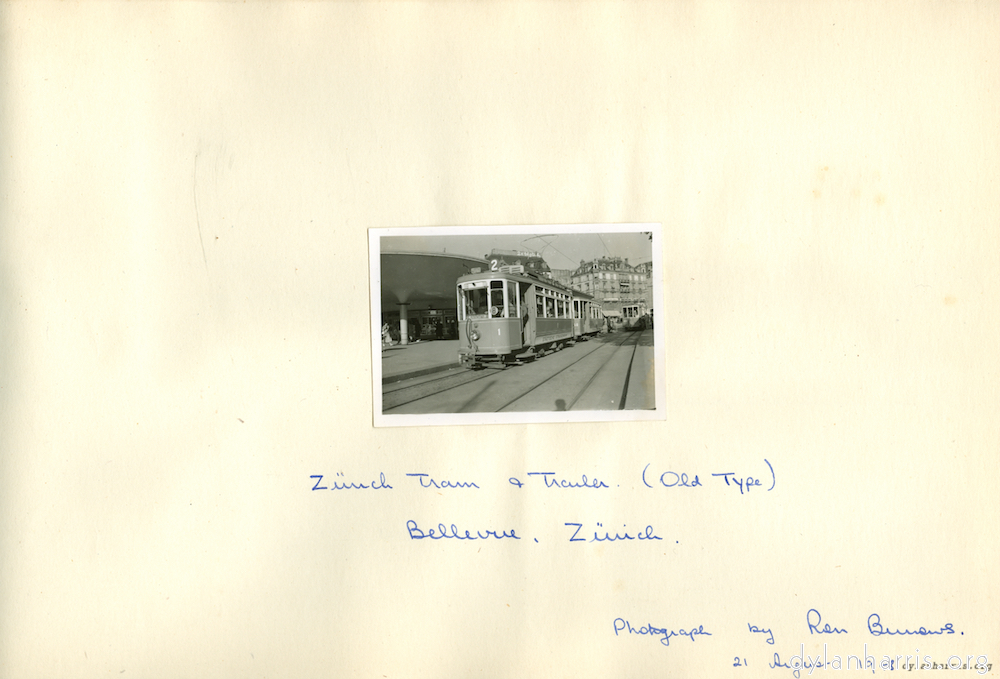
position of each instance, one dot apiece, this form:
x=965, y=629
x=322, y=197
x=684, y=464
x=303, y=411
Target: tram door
x=524, y=303
x=532, y=303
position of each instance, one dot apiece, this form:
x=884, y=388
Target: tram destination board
x=485, y=325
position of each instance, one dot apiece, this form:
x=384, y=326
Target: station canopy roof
x=422, y=277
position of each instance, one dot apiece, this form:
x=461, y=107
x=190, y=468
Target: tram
x=508, y=312
x=632, y=317
x=588, y=317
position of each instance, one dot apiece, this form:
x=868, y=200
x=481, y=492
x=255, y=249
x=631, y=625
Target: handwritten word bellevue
x=451, y=532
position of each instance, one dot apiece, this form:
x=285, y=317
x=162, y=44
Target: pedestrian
x=439, y=328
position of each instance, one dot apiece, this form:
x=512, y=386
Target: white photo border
x=380, y=419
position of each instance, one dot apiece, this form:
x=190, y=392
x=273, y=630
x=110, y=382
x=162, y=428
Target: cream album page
x=499, y=339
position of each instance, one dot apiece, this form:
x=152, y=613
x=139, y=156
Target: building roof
x=421, y=276
x=603, y=264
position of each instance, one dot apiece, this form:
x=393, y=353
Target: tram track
x=400, y=396
x=468, y=406
x=485, y=399
x=616, y=345
x=628, y=373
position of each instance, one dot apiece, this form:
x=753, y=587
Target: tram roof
x=510, y=275
x=525, y=277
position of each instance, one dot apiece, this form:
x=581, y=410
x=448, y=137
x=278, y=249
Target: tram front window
x=475, y=301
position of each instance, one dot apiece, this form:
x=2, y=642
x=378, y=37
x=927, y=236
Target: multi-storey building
x=646, y=268
x=564, y=276
x=624, y=290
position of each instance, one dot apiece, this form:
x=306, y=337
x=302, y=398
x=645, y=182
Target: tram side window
x=539, y=304
x=496, y=299
x=512, y=309
x=550, y=307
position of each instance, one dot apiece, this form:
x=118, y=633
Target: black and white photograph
x=516, y=324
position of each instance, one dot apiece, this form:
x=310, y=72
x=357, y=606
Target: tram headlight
x=474, y=335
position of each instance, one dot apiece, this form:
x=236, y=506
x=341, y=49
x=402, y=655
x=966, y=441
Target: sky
x=560, y=250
